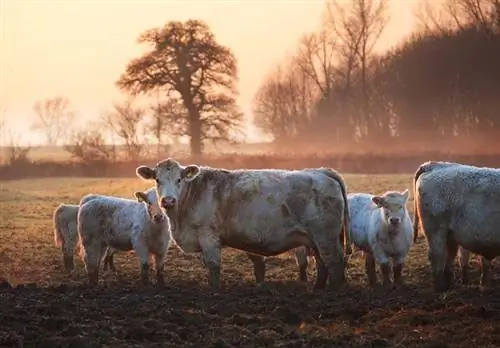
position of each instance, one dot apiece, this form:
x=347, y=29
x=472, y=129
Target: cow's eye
x=178, y=181
x=157, y=181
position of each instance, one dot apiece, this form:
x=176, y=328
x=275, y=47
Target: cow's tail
x=423, y=168
x=58, y=235
x=346, y=228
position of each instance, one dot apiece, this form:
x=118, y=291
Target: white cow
x=65, y=230
x=264, y=212
x=457, y=204
x=124, y=224
x=381, y=226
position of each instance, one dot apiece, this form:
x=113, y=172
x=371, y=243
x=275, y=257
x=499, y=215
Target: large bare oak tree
x=186, y=60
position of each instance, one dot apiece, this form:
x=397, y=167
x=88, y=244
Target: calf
x=65, y=235
x=108, y=259
x=65, y=230
x=456, y=204
x=262, y=212
x=124, y=224
x=381, y=226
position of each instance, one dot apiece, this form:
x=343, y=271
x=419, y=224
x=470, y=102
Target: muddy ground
x=279, y=313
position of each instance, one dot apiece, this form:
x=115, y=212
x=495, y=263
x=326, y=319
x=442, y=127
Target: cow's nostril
x=167, y=202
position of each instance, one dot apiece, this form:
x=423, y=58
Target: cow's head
x=393, y=206
x=169, y=176
x=149, y=198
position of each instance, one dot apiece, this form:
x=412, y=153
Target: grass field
x=51, y=309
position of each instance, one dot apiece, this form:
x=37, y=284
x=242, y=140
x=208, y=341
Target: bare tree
x=358, y=25
x=124, y=121
x=283, y=104
x=16, y=153
x=168, y=120
x=329, y=62
x=188, y=62
x=317, y=59
x=88, y=145
x=157, y=124
x=54, y=118
x=458, y=15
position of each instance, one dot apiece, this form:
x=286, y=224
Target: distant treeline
x=345, y=163
x=437, y=87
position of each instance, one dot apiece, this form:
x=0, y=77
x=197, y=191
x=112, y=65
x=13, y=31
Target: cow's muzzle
x=394, y=221
x=168, y=202
x=158, y=218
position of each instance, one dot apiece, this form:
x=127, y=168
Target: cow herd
x=265, y=212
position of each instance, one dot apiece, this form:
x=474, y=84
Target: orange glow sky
x=78, y=48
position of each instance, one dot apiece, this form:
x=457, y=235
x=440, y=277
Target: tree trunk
x=194, y=124
x=195, y=142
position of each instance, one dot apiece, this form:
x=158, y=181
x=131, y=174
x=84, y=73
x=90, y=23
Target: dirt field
x=47, y=308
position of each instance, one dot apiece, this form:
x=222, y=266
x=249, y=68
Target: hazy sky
x=79, y=48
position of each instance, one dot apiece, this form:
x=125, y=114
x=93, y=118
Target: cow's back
x=111, y=216
x=295, y=194
x=364, y=216
x=66, y=213
x=467, y=200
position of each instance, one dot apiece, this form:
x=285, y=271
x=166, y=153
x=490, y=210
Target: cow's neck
x=391, y=232
x=172, y=216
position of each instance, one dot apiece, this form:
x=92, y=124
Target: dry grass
x=279, y=313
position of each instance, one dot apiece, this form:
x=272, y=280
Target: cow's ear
x=379, y=201
x=146, y=173
x=190, y=172
x=405, y=194
x=141, y=196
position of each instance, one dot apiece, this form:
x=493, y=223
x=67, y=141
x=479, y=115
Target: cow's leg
x=463, y=258
x=68, y=257
x=301, y=254
x=485, y=272
x=143, y=254
x=159, y=259
x=109, y=259
x=259, y=267
x=329, y=251
x=331, y=256
x=211, y=250
x=321, y=273
x=92, y=255
x=105, y=263
x=452, y=249
x=69, y=246
x=397, y=269
x=437, y=234
x=370, y=268
x=384, y=262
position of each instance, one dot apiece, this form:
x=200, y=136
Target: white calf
x=382, y=228
x=66, y=235
x=124, y=224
